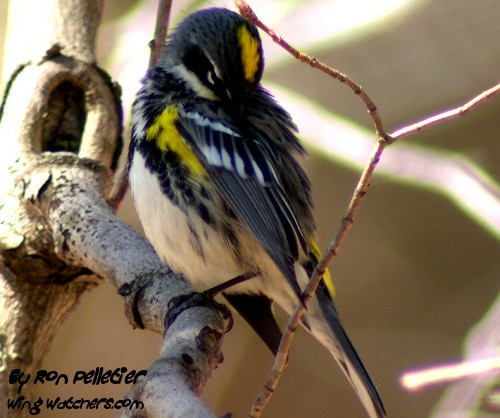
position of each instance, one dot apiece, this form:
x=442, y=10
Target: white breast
x=170, y=232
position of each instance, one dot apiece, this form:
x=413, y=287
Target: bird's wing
x=244, y=173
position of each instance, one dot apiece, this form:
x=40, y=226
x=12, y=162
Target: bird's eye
x=197, y=62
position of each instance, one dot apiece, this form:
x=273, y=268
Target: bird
x=216, y=182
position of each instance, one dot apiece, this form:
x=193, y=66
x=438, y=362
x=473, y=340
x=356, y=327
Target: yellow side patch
x=168, y=139
x=250, y=56
x=327, y=277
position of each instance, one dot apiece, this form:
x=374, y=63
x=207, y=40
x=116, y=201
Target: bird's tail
x=347, y=357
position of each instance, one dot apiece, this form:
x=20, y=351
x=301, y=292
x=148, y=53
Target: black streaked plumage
x=218, y=189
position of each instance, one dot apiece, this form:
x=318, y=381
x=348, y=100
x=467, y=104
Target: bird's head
x=218, y=53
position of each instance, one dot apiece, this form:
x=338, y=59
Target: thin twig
x=162, y=20
x=420, y=379
x=247, y=12
x=445, y=116
x=383, y=141
x=332, y=250
x=346, y=223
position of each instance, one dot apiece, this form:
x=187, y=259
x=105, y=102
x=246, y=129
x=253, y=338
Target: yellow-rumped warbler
x=218, y=190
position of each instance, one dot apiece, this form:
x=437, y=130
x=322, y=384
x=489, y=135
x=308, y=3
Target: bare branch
x=173, y=380
x=383, y=141
x=446, y=116
x=421, y=379
x=476, y=379
x=58, y=235
x=250, y=15
x=55, y=22
x=162, y=19
x=448, y=173
x=308, y=294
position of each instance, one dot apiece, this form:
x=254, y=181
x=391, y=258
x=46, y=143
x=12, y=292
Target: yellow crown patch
x=250, y=56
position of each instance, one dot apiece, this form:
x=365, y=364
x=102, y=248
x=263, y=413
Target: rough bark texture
x=53, y=102
x=60, y=127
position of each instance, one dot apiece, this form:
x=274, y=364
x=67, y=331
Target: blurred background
x=421, y=265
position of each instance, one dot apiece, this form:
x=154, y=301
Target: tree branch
x=383, y=140
x=250, y=15
x=61, y=129
x=446, y=116
x=448, y=173
x=475, y=380
x=162, y=20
